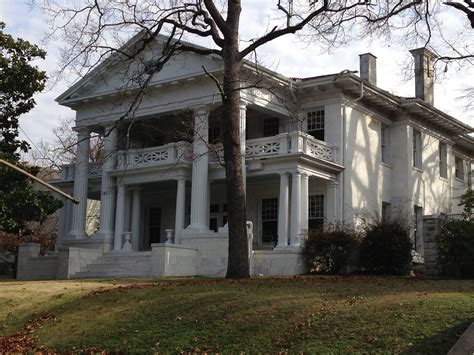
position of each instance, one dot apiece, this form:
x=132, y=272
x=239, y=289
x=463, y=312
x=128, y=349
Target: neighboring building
x=318, y=150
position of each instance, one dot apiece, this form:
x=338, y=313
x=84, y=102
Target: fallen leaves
x=24, y=340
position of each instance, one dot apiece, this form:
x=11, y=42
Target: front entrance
x=154, y=225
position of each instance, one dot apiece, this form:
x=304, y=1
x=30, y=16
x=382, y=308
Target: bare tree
x=97, y=31
x=466, y=6
x=62, y=150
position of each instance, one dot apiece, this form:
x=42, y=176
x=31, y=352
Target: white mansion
x=324, y=149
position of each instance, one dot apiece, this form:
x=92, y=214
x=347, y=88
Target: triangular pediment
x=119, y=75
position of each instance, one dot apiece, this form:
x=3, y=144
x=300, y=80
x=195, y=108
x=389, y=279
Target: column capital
x=180, y=178
x=84, y=131
x=295, y=172
x=201, y=110
x=304, y=175
x=242, y=105
x=281, y=173
x=333, y=183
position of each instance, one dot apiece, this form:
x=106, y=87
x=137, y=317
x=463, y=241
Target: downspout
x=343, y=144
x=295, y=100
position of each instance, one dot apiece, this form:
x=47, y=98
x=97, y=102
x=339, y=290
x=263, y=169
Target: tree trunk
x=238, y=264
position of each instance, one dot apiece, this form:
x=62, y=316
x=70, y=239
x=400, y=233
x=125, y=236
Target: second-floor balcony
x=284, y=144
x=171, y=153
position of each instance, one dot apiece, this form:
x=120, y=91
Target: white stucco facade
x=328, y=149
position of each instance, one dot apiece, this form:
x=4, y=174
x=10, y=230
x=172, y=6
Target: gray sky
x=288, y=56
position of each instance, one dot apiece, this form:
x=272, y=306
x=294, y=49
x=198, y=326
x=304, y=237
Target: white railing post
x=283, y=138
x=296, y=142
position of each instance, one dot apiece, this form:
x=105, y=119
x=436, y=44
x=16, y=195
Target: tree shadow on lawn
x=441, y=342
x=202, y=309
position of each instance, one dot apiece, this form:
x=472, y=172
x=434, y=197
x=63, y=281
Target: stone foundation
x=431, y=228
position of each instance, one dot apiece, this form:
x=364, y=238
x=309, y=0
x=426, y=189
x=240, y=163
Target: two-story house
x=325, y=149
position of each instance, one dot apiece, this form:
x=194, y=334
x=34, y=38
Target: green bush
x=455, y=245
x=328, y=251
x=386, y=248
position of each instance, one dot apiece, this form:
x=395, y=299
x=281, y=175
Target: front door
x=154, y=225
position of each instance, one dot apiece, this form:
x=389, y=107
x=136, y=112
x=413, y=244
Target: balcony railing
x=282, y=144
x=68, y=171
x=154, y=156
x=279, y=145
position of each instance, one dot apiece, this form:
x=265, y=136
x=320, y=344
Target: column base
x=103, y=235
x=75, y=236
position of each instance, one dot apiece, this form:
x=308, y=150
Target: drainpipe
x=295, y=100
x=343, y=144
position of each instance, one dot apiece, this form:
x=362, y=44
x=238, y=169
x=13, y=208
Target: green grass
x=317, y=315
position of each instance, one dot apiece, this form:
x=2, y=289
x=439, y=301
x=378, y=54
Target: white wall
x=366, y=180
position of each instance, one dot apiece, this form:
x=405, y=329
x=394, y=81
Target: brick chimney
x=424, y=74
x=368, y=67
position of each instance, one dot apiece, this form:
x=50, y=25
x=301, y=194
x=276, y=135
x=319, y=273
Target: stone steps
x=132, y=264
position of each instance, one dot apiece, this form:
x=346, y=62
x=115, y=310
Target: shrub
x=386, y=248
x=328, y=251
x=455, y=246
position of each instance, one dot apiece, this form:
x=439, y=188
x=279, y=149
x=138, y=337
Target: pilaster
x=304, y=202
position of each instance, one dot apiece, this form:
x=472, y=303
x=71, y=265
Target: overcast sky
x=289, y=56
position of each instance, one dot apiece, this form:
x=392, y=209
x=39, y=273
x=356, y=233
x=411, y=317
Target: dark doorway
x=155, y=225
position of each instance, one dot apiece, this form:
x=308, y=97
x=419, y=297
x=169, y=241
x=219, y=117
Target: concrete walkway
x=465, y=344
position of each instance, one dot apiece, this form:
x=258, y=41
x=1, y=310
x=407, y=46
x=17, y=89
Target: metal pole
x=51, y=187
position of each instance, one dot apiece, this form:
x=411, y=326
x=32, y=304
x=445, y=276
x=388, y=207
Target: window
x=443, y=160
x=271, y=126
x=386, y=210
x=418, y=228
x=217, y=216
x=459, y=166
x=315, y=124
x=316, y=211
x=385, y=143
x=269, y=220
x=417, y=158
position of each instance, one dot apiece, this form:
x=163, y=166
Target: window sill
x=459, y=180
x=387, y=165
x=417, y=169
x=445, y=179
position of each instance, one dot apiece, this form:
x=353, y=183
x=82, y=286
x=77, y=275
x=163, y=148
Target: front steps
x=118, y=264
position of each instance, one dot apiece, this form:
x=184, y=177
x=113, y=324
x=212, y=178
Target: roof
x=346, y=80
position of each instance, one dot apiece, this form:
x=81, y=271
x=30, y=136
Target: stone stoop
x=119, y=264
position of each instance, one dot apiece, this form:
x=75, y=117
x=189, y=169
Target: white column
x=136, y=210
x=283, y=211
x=304, y=202
x=81, y=179
x=295, y=227
x=200, y=185
x=180, y=209
x=68, y=217
x=107, y=189
x=119, y=218
x=332, y=201
x=243, y=124
x=62, y=222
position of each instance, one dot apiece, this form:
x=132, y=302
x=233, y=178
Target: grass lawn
x=311, y=314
